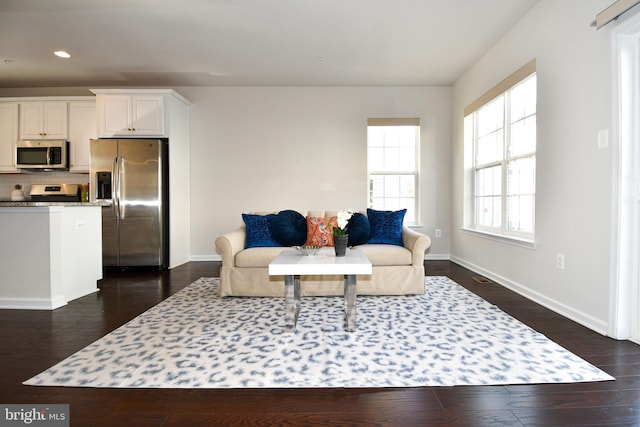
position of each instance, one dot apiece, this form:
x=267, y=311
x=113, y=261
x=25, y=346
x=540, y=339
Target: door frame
x=624, y=320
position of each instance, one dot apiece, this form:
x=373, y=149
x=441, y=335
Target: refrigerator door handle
x=121, y=208
x=115, y=195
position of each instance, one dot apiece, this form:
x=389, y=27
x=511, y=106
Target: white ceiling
x=247, y=42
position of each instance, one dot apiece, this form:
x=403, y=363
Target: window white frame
x=393, y=178
x=496, y=204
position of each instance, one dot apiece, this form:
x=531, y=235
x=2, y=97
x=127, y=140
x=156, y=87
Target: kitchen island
x=50, y=253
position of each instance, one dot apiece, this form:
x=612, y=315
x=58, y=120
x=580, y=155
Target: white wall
x=574, y=176
x=259, y=148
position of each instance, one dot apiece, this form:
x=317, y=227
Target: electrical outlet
x=438, y=232
x=603, y=138
x=560, y=261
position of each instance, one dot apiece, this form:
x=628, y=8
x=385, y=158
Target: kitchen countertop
x=27, y=203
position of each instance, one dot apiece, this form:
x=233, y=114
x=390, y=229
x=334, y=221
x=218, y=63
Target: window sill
x=502, y=238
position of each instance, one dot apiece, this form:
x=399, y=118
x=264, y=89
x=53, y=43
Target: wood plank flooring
x=32, y=341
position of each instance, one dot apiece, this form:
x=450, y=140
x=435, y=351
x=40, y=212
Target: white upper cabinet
x=83, y=126
x=131, y=115
x=8, y=135
x=43, y=120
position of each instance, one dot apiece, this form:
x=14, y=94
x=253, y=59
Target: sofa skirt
x=385, y=280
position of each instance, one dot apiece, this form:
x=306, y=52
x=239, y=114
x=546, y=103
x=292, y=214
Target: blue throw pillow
x=258, y=229
x=386, y=226
x=289, y=228
x=359, y=229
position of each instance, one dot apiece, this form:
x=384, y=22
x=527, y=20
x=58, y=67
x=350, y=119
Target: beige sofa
x=397, y=270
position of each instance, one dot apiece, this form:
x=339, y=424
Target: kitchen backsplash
x=8, y=181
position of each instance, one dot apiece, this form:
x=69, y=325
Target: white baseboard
x=564, y=310
x=32, y=303
x=212, y=257
x=437, y=257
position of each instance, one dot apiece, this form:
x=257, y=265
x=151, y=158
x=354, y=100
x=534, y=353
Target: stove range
x=55, y=193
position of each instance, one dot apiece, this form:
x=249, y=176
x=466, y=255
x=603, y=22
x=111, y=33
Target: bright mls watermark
x=34, y=415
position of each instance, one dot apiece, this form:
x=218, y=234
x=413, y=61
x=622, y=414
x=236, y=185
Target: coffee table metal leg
x=292, y=301
x=350, y=301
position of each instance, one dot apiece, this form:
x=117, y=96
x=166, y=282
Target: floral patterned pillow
x=320, y=230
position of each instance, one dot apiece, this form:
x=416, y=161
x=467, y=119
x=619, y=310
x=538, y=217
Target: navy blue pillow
x=289, y=228
x=258, y=228
x=359, y=229
x=386, y=226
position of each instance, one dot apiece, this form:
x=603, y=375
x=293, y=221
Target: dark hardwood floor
x=32, y=341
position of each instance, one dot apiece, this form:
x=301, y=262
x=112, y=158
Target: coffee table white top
x=294, y=262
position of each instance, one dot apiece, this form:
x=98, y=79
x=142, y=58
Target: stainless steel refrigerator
x=131, y=176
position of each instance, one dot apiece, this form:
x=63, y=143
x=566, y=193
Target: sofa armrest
x=228, y=245
x=417, y=243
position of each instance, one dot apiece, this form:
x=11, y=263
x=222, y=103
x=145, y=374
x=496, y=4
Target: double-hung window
x=393, y=165
x=500, y=135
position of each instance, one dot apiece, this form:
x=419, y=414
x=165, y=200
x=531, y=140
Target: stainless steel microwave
x=42, y=155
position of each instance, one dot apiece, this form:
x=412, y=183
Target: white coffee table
x=292, y=264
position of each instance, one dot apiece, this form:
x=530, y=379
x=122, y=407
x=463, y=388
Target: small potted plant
x=340, y=236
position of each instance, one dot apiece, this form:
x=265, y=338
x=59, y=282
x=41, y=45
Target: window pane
x=391, y=136
x=520, y=213
x=407, y=161
x=488, y=196
x=392, y=186
x=489, y=181
x=521, y=184
x=391, y=159
x=491, y=117
x=408, y=186
x=407, y=136
x=521, y=177
x=488, y=211
x=376, y=158
x=375, y=136
x=490, y=148
x=523, y=99
x=523, y=137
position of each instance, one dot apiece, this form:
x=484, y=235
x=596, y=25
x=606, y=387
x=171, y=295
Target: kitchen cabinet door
x=82, y=128
x=148, y=115
x=114, y=115
x=43, y=120
x=8, y=135
x=130, y=115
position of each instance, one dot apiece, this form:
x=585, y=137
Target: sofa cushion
x=385, y=254
x=386, y=226
x=320, y=230
x=289, y=228
x=258, y=231
x=359, y=229
x=257, y=257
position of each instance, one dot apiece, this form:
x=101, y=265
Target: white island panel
x=49, y=255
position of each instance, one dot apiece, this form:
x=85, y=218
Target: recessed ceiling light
x=62, y=54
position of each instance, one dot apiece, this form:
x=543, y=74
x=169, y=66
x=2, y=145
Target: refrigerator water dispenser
x=103, y=180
